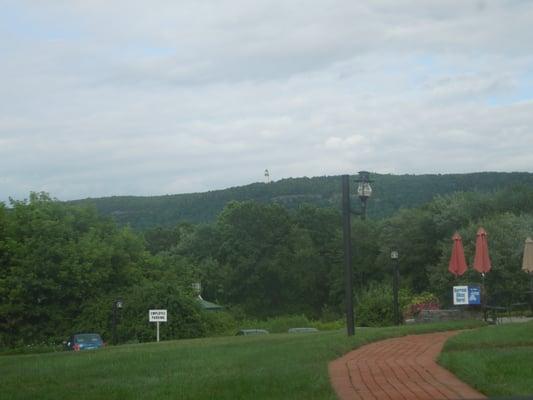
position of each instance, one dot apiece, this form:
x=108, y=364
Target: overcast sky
x=101, y=98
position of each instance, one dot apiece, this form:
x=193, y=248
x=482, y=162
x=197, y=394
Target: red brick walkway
x=400, y=368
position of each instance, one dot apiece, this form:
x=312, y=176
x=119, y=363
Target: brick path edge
x=402, y=368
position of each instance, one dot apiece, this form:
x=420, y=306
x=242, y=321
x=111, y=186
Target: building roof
x=207, y=305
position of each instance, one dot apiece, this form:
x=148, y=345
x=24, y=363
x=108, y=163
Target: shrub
x=219, y=323
x=419, y=302
x=375, y=305
x=329, y=325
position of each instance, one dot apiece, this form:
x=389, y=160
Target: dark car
x=84, y=341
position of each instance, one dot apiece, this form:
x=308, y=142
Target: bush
x=219, y=323
x=375, y=305
x=329, y=325
x=419, y=302
x=330, y=314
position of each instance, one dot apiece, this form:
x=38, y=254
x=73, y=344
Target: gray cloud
x=102, y=98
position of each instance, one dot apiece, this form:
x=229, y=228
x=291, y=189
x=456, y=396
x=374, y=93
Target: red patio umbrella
x=457, y=264
x=482, y=262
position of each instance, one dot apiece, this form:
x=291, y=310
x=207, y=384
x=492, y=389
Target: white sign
x=460, y=295
x=158, y=315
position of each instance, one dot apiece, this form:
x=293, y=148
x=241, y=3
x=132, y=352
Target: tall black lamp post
x=364, y=191
x=117, y=305
x=395, y=285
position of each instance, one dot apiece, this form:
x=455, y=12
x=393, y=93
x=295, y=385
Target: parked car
x=303, y=330
x=248, y=332
x=84, y=341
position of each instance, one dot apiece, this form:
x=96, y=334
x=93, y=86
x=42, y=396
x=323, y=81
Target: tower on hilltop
x=267, y=176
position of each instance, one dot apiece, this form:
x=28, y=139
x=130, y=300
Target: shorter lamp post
x=117, y=305
x=395, y=285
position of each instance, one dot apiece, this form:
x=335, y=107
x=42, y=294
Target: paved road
x=400, y=368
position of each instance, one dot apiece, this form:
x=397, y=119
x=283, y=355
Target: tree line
x=392, y=193
x=63, y=266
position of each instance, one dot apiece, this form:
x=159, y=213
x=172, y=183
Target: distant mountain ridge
x=391, y=192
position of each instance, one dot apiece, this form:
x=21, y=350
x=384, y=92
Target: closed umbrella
x=482, y=260
x=482, y=263
x=527, y=261
x=527, y=266
x=457, y=264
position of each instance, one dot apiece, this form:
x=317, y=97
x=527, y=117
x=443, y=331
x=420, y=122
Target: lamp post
x=117, y=305
x=364, y=191
x=395, y=285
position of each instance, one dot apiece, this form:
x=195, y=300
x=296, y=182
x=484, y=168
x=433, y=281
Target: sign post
x=157, y=316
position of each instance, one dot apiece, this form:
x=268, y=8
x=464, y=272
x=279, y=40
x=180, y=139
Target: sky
x=102, y=98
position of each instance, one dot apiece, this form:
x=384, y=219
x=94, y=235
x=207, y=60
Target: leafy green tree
x=324, y=271
x=257, y=254
x=59, y=258
x=412, y=233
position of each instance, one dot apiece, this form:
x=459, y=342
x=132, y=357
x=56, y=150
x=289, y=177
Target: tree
x=412, y=233
x=252, y=238
x=60, y=257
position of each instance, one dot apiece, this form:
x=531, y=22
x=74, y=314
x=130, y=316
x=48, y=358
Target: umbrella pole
x=484, y=296
x=531, y=291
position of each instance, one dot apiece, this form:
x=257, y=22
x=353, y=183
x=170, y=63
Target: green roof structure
x=207, y=305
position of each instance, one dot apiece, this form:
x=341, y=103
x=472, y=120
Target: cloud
x=336, y=143
x=103, y=98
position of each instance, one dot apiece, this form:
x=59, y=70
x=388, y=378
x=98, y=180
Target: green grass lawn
x=277, y=366
x=496, y=360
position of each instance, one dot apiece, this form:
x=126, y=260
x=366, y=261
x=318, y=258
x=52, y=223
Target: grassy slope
x=496, y=360
x=277, y=366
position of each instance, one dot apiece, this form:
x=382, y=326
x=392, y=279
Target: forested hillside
x=391, y=193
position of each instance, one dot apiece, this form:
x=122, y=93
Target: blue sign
x=474, y=294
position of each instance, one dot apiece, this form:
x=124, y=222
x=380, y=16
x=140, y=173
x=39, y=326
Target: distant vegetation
x=63, y=265
x=391, y=193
